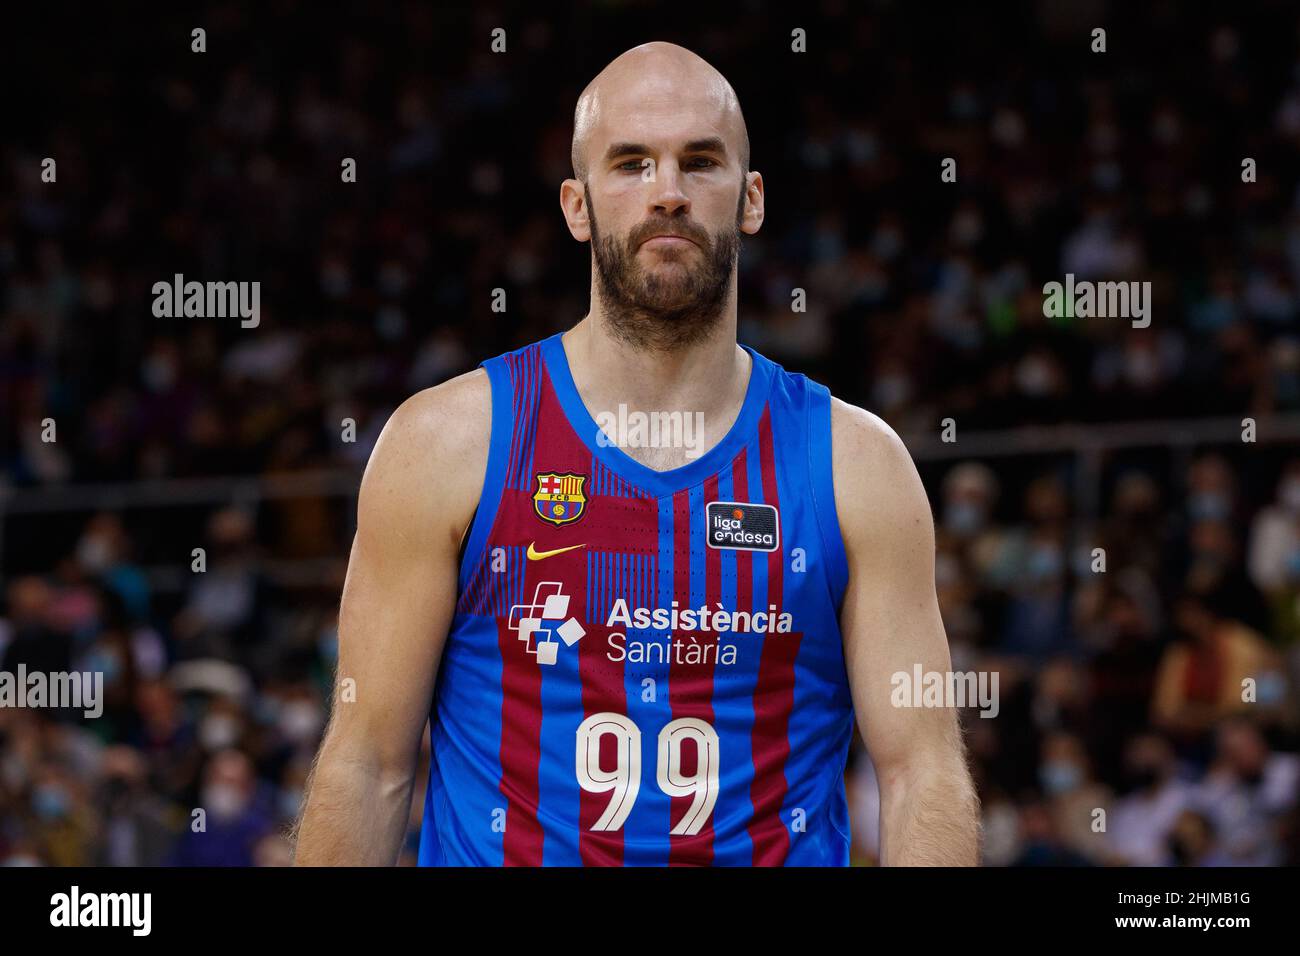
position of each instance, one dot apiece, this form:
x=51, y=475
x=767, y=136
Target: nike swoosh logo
x=535, y=555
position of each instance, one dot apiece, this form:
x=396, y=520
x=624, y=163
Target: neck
x=710, y=375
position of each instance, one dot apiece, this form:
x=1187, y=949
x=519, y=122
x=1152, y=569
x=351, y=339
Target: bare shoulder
x=878, y=492
x=451, y=419
x=426, y=470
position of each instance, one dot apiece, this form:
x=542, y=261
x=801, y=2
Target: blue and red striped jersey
x=644, y=667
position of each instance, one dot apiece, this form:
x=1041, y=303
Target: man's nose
x=666, y=195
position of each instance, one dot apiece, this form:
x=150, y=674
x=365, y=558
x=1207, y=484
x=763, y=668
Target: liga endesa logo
x=742, y=526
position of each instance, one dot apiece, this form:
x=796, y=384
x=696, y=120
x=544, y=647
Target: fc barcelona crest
x=559, y=498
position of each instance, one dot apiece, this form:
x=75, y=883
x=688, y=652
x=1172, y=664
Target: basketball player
x=640, y=652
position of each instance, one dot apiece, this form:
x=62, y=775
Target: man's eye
x=705, y=161
x=632, y=165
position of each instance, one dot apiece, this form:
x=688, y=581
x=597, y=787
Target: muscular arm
x=417, y=498
x=929, y=813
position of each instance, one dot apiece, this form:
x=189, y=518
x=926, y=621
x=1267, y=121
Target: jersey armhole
x=489, y=500
x=822, y=484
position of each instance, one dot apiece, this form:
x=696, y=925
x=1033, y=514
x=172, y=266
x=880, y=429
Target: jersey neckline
x=657, y=483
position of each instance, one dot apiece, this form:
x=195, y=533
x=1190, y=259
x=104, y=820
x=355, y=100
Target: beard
x=652, y=311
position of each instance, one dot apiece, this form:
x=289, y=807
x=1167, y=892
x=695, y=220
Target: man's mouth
x=667, y=242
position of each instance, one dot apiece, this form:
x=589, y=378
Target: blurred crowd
x=1121, y=688
x=1148, y=666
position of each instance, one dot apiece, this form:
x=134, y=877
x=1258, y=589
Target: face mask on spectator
x=1209, y=504
x=50, y=802
x=1270, y=687
x=1140, y=367
x=891, y=390
x=266, y=710
x=1034, y=376
x=299, y=722
x=101, y=660
x=94, y=553
x=1045, y=562
x=223, y=801
x=1059, y=776
x=963, y=517
x=218, y=731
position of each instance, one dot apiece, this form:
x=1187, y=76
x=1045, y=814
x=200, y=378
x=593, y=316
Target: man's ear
x=751, y=219
x=573, y=203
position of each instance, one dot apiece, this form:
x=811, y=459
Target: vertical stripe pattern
x=567, y=734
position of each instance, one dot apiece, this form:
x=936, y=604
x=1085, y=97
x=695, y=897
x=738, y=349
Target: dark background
x=924, y=303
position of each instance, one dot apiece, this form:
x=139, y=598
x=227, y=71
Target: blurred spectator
x=1246, y=793
x=1193, y=841
x=1200, y=680
x=1034, y=570
x=61, y=820
x=138, y=826
x=226, y=605
x=1137, y=533
x=1143, y=819
x=1274, y=562
x=1041, y=841
x=1073, y=796
x=233, y=819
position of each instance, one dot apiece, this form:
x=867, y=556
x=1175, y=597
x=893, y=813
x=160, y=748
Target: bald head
x=652, y=77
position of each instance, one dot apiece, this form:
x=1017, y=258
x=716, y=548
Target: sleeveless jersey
x=644, y=667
